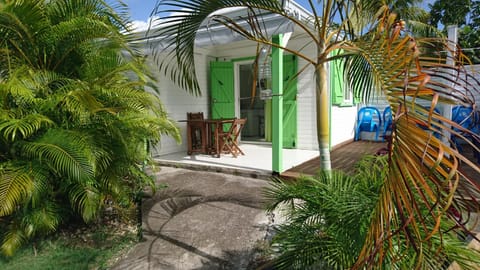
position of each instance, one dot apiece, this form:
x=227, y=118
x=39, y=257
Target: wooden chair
x=196, y=135
x=229, y=139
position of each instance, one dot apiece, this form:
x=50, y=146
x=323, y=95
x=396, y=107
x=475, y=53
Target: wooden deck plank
x=347, y=155
x=343, y=157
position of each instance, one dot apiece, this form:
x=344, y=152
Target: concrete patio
x=202, y=220
x=257, y=161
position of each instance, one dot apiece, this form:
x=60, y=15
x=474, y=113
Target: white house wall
x=342, y=118
x=475, y=71
x=306, y=109
x=342, y=124
x=178, y=102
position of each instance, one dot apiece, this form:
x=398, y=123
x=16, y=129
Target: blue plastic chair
x=468, y=119
x=387, y=120
x=368, y=122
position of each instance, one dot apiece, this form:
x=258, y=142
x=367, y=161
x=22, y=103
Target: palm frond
x=12, y=239
x=423, y=168
x=16, y=184
x=108, y=66
x=141, y=178
x=327, y=219
x=132, y=99
x=80, y=104
x=16, y=88
x=86, y=199
x=111, y=183
x=43, y=181
x=15, y=129
x=43, y=82
x=41, y=219
x=59, y=149
x=115, y=14
x=71, y=35
x=152, y=126
x=19, y=23
x=421, y=29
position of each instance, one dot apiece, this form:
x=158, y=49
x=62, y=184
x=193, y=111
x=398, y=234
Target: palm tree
x=410, y=11
x=328, y=217
x=75, y=116
x=381, y=57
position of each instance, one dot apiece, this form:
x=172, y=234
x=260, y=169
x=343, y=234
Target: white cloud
x=138, y=26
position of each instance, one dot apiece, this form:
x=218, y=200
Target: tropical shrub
x=75, y=118
x=328, y=216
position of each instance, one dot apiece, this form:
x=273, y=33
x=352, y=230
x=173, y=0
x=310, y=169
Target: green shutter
x=336, y=81
x=289, y=101
x=222, y=96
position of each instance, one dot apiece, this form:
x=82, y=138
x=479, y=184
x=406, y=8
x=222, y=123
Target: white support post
x=452, y=31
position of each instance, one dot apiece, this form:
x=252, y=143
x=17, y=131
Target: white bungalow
x=224, y=70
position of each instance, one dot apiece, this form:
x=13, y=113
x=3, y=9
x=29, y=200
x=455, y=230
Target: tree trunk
x=323, y=116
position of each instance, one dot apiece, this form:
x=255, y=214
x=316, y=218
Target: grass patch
x=84, y=248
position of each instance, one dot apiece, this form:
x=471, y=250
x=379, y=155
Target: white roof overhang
x=213, y=33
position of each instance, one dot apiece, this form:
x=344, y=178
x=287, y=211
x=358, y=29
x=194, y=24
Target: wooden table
x=210, y=130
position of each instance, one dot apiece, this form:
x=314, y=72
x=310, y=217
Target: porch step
x=259, y=174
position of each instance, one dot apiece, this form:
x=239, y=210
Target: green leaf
x=86, y=199
x=13, y=238
x=16, y=184
x=22, y=128
x=59, y=149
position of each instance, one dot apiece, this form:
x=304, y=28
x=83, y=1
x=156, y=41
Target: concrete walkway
x=203, y=220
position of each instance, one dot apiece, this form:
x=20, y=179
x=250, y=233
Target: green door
x=289, y=101
x=222, y=95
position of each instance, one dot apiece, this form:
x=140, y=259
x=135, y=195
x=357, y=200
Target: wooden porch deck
x=343, y=157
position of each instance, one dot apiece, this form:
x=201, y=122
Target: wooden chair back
x=196, y=133
x=238, y=125
x=195, y=116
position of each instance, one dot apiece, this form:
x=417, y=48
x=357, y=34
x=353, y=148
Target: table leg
x=209, y=138
x=217, y=141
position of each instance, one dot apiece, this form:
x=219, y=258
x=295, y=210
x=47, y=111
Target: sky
x=140, y=10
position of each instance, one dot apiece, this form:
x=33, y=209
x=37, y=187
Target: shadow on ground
x=202, y=220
